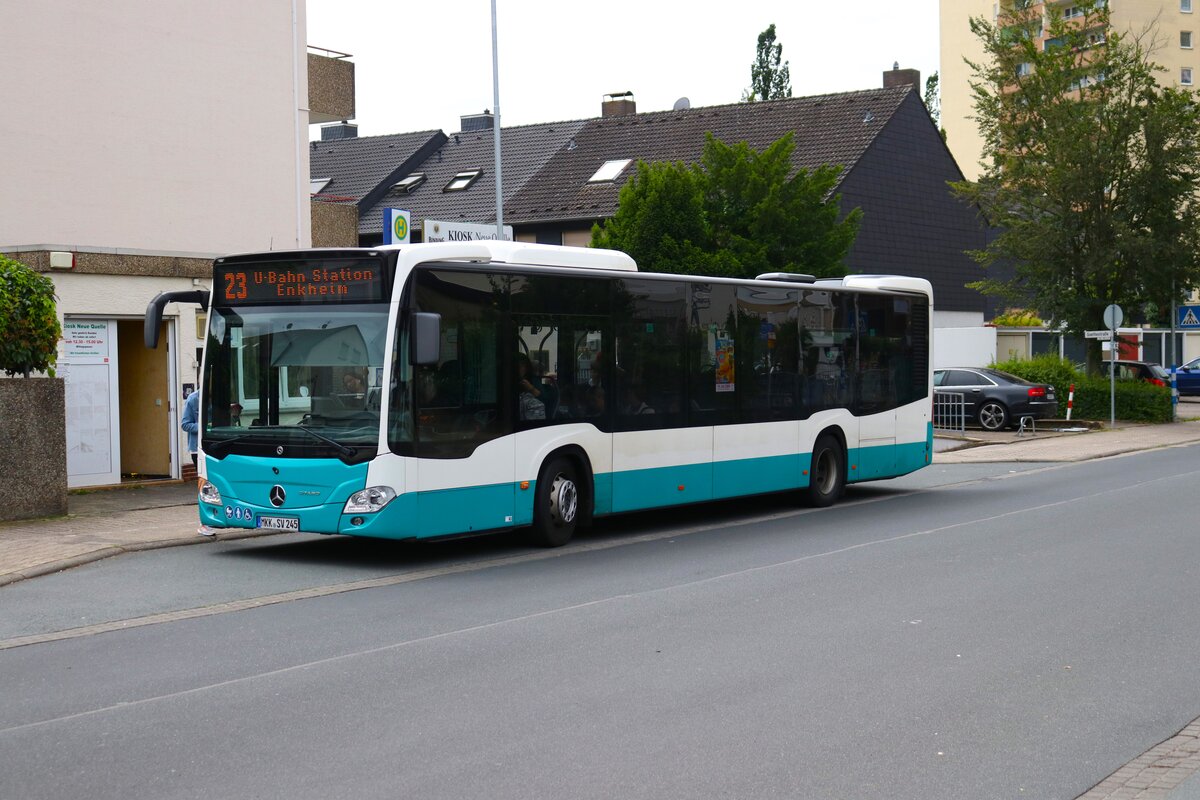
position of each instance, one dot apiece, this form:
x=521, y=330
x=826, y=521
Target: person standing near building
x=191, y=422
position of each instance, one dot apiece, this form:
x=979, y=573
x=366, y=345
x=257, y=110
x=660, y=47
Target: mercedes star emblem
x=278, y=495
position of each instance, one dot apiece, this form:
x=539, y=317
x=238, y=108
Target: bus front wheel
x=556, y=504
x=827, y=474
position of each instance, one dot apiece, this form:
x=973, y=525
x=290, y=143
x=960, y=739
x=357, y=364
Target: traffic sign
x=396, y=225
x=1113, y=316
x=1104, y=336
x=1189, y=317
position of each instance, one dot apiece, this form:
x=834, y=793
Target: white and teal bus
x=434, y=390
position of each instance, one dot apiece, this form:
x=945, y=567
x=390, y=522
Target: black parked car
x=996, y=399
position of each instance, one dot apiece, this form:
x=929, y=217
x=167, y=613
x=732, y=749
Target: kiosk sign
x=438, y=231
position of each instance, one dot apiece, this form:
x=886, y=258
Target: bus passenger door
x=879, y=339
x=659, y=457
x=465, y=478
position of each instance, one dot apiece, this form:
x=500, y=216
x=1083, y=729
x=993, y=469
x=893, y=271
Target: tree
x=1092, y=168
x=29, y=329
x=769, y=78
x=933, y=101
x=738, y=213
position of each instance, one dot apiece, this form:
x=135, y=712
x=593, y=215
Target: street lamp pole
x=496, y=127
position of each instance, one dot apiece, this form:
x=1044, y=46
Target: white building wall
x=963, y=347
x=155, y=125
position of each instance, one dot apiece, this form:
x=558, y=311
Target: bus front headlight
x=370, y=500
x=209, y=493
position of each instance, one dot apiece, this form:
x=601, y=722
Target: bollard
x=1070, y=401
x=1174, y=395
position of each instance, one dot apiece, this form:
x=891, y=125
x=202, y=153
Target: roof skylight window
x=409, y=184
x=609, y=171
x=317, y=185
x=462, y=181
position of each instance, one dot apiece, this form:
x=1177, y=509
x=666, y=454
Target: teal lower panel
x=441, y=513
x=869, y=463
x=759, y=475
x=478, y=508
x=914, y=456
x=603, y=484
x=664, y=486
x=872, y=463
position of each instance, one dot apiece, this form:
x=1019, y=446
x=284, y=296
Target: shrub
x=29, y=329
x=1058, y=372
x=1136, y=401
x=1017, y=318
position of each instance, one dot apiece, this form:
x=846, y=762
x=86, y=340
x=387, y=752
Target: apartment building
x=141, y=140
x=1171, y=28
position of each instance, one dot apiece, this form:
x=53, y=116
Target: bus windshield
x=309, y=376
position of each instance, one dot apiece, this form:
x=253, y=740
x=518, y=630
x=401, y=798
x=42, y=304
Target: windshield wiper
x=220, y=444
x=345, y=450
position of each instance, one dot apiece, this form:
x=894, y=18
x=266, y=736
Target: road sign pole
x=1174, y=361
x=1112, y=379
x=1113, y=316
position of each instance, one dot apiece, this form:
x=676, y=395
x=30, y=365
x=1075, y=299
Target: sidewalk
x=1052, y=445
x=103, y=523
x=107, y=522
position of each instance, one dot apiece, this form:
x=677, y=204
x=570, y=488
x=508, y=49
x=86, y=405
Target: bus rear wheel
x=827, y=473
x=556, y=504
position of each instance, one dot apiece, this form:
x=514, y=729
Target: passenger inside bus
x=530, y=402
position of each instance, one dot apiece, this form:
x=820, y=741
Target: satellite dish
x=682, y=104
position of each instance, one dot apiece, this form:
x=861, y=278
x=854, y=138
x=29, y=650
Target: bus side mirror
x=427, y=337
x=154, y=311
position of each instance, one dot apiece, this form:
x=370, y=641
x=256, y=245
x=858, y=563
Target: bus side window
x=711, y=354
x=559, y=326
x=649, y=358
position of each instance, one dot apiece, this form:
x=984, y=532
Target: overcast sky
x=420, y=66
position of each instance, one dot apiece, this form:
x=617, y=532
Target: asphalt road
x=967, y=632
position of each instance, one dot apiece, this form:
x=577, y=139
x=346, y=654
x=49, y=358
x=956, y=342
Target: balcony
x=330, y=86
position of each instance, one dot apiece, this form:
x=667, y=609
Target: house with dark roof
x=895, y=167
x=432, y=175
x=561, y=178
x=348, y=170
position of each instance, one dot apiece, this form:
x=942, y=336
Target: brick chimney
x=341, y=130
x=618, y=104
x=477, y=122
x=901, y=77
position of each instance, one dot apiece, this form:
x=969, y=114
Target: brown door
x=145, y=392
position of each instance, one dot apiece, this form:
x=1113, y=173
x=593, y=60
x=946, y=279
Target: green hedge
x=1136, y=401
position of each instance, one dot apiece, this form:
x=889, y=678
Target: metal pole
x=496, y=127
x=1112, y=377
x=1174, y=362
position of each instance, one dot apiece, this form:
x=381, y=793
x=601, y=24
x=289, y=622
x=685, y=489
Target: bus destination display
x=292, y=282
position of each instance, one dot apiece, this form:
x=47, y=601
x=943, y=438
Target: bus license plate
x=280, y=523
